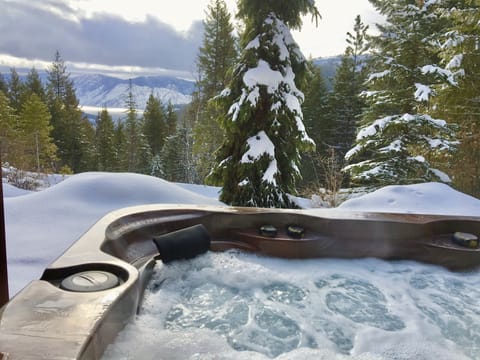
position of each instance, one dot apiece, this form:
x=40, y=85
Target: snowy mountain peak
x=97, y=90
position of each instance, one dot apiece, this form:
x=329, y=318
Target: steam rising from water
x=240, y=306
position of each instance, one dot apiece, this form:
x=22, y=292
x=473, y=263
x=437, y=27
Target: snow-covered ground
x=42, y=225
x=390, y=310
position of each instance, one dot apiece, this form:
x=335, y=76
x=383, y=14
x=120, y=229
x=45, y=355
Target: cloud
x=36, y=32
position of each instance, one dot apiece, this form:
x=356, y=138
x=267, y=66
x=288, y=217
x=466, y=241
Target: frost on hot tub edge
x=47, y=320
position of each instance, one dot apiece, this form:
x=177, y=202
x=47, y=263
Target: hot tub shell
x=44, y=321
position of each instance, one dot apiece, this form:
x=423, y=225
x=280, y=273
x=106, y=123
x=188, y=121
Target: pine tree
x=3, y=85
x=72, y=132
x=9, y=146
x=217, y=55
x=258, y=162
x=460, y=103
x=171, y=119
x=34, y=85
x=176, y=158
x=120, y=145
x=38, y=150
x=15, y=90
x=400, y=136
x=104, y=142
x=218, y=52
x=157, y=167
x=319, y=125
x=137, y=149
x=155, y=127
x=346, y=101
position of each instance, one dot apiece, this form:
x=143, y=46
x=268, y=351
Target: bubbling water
x=241, y=306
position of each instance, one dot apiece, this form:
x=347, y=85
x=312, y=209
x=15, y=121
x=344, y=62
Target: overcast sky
x=141, y=35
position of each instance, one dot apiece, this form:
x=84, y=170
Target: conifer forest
x=403, y=108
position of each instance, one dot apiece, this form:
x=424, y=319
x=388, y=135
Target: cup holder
x=90, y=277
x=90, y=281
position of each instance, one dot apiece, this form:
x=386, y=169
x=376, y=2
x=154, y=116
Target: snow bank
x=428, y=198
x=42, y=225
x=12, y=191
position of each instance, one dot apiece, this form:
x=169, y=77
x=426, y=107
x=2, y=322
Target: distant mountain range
x=107, y=91
x=95, y=91
x=111, y=92
x=328, y=66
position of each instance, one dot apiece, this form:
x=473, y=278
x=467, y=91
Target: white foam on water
x=241, y=306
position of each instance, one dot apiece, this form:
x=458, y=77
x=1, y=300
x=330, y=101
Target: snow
x=269, y=175
x=434, y=69
x=427, y=198
x=442, y=176
x=380, y=124
x=258, y=145
x=42, y=225
x=378, y=75
x=455, y=62
x=12, y=191
x=353, y=151
x=263, y=75
x=396, y=145
x=254, y=44
x=103, y=91
x=423, y=92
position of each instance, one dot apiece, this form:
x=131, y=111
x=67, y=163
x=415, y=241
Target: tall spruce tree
x=34, y=85
x=72, y=132
x=460, y=103
x=105, y=142
x=120, y=144
x=258, y=163
x=38, y=150
x=217, y=55
x=155, y=126
x=8, y=130
x=137, y=149
x=346, y=101
x=171, y=119
x=15, y=90
x=400, y=138
x=3, y=84
x=176, y=158
x=319, y=125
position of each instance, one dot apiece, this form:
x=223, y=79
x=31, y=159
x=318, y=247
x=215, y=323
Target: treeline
x=43, y=129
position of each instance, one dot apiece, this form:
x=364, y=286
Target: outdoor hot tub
x=88, y=295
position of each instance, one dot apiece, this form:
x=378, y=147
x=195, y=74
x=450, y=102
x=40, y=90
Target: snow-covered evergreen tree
x=400, y=138
x=460, y=103
x=176, y=157
x=157, y=167
x=258, y=161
